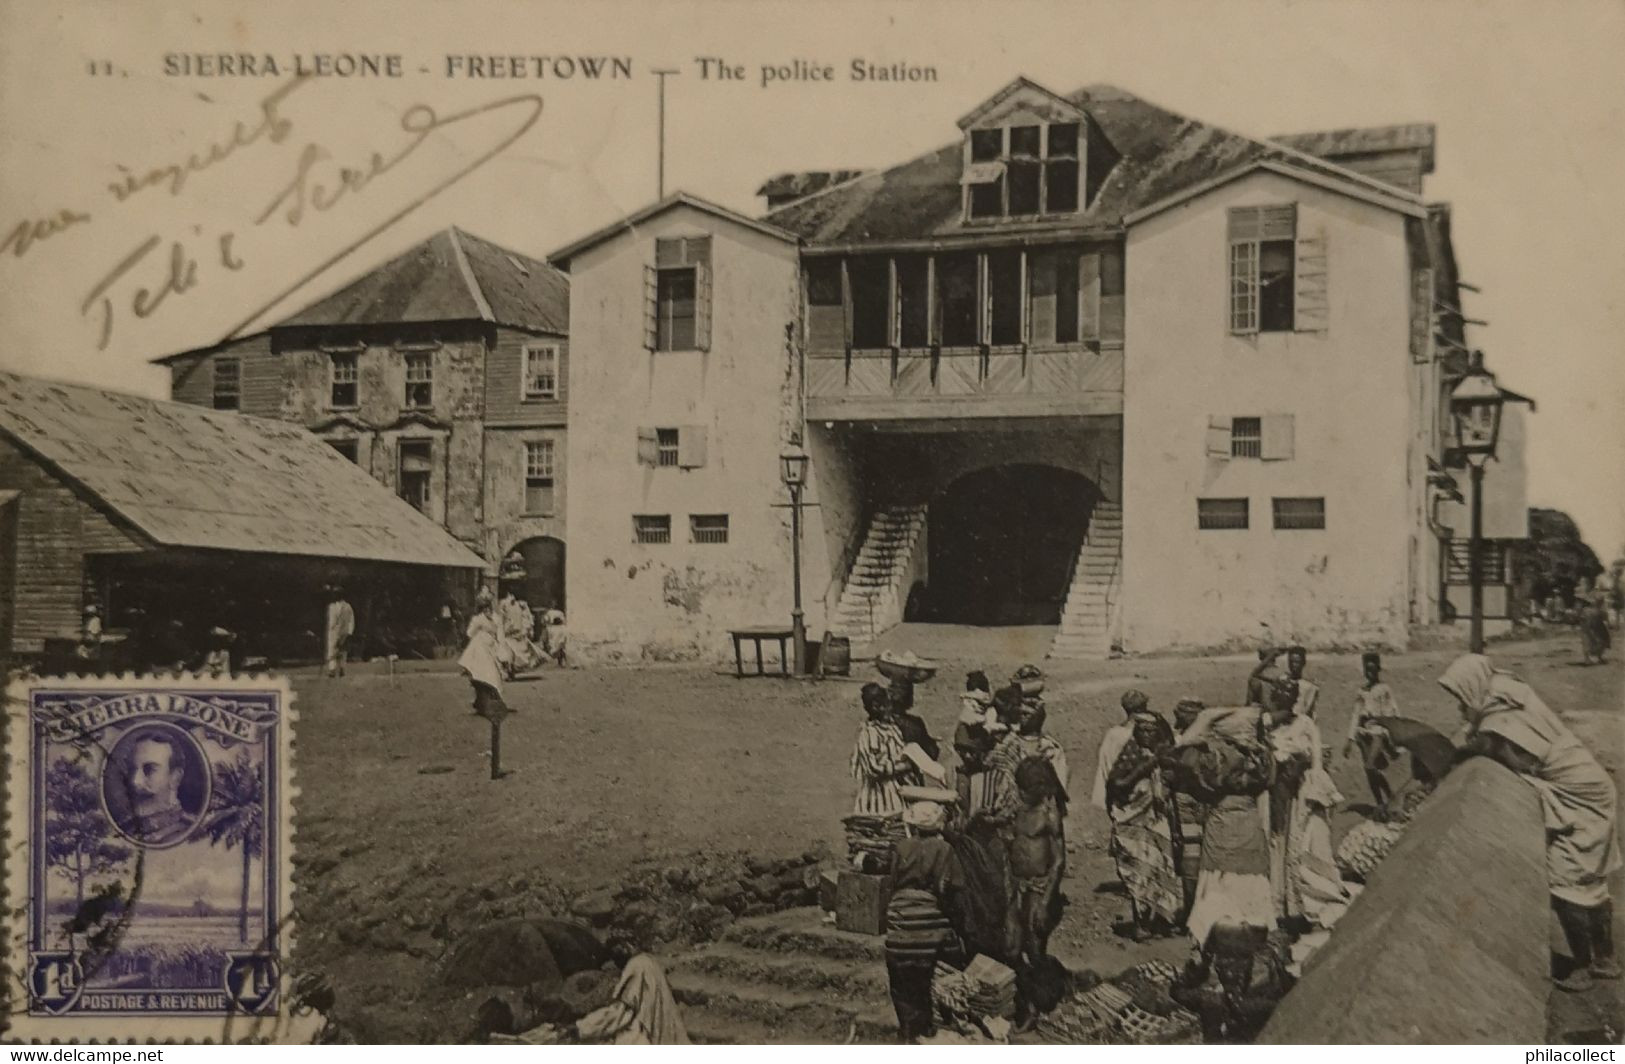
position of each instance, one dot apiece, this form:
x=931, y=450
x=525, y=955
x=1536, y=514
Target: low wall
x=1449, y=942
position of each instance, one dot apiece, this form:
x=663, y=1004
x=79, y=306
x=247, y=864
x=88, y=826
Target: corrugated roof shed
x=452, y=276
x=189, y=477
x=1162, y=153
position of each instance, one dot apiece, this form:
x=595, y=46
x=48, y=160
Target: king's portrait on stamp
x=156, y=850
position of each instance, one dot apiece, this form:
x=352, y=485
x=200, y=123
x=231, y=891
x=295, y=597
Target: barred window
x=539, y=477
x=1302, y=513
x=541, y=372
x=228, y=383
x=1492, y=559
x=1221, y=513
x=419, y=381
x=1246, y=437
x=708, y=528
x=651, y=528
x=667, y=447
x=344, y=380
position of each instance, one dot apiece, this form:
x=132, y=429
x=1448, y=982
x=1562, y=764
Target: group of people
x=504, y=643
x=978, y=869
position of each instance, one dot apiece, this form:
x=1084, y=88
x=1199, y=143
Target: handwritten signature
x=145, y=278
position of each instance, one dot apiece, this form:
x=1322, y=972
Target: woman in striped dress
x=919, y=932
x=878, y=763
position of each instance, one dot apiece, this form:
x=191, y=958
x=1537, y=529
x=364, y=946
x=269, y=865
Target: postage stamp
x=149, y=857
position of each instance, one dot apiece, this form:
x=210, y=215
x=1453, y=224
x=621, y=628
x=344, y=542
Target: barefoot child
x=1037, y=855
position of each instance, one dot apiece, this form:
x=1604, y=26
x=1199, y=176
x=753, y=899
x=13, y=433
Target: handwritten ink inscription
x=160, y=268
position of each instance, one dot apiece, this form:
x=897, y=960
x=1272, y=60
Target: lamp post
x=793, y=471
x=1475, y=410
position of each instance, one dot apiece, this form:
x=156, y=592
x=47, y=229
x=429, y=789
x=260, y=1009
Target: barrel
x=836, y=656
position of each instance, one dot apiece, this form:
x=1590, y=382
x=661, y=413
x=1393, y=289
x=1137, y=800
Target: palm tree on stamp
x=237, y=818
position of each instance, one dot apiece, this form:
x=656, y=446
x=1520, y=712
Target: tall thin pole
x=798, y=626
x=1475, y=564
x=660, y=165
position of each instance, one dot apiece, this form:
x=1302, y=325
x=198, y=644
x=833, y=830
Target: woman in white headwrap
x=1504, y=719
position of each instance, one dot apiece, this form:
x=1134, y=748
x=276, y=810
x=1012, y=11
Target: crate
x=860, y=902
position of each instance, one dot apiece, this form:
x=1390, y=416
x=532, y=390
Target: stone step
x=797, y=1016
x=803, y=931
x=864, y=978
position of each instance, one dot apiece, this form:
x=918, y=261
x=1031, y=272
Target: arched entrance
x=534, y=571
x=1002, y=543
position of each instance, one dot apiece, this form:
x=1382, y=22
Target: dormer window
x=1025, y=150
x=1024, y=171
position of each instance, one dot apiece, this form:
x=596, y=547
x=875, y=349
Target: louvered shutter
x=691, y=446
x=669, y=253
x=1311, y=303
x=1422, y=314
x=702, y=306
x=648, y=447
x=1089, y=296
x=1276, y=441
x=984, y=299
x=651, y=308
x=1218, y=437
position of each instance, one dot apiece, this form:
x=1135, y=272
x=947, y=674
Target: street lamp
x=793, y=472
x=1475, y=410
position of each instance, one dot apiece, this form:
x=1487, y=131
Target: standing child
x=1374, y=702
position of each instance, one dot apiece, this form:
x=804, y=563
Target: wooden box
x=860, y=902
x=829, y=880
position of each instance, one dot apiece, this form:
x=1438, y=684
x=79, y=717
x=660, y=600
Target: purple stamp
x=148, y=880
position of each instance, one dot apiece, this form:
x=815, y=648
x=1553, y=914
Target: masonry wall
x=1347, y=390
x=380, y=420
x=507, y=520
x=631, y=600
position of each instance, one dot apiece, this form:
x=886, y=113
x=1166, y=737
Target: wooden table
x=756, y=635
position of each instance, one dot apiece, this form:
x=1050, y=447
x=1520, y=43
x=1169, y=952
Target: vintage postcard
x=819, y=522
x=149, y=856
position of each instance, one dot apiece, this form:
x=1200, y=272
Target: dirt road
x=404, y=840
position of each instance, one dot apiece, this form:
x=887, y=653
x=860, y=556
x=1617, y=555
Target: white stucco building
x=1091, y=364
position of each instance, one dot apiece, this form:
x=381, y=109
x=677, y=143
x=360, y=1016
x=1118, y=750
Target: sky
x=1526, y=98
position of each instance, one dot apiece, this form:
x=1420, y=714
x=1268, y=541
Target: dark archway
x=534, y=571
x=1002, y=544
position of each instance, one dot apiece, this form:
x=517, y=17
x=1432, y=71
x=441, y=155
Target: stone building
x=1091, y=364
x=443, y=374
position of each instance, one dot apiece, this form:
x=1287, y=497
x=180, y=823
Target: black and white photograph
x=806, y=522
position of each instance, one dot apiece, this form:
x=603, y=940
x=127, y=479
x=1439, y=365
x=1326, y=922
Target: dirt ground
x=404, y=840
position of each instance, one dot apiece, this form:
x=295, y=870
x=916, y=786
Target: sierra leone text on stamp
x=149, y=857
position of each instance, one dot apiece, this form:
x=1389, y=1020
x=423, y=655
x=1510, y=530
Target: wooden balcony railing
x=964, y=382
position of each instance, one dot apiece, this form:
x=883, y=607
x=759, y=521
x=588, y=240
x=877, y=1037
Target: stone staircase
x=1085, y=633
x=786, y=979
x=877, y=586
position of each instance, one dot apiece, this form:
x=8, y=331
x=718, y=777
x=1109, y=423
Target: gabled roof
x=563, y=255
x=1017, y=87
x=1161, y=154
x=1296, y=173
x=1336, y=143
x=452, y=276
x=188, y=477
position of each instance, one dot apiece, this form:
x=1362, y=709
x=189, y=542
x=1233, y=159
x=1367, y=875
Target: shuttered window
x=228, y=382
x=1217, y=514
x=1246, y=437
x=666, y=443
x=1299, y=513
x=679, y=447
x=1263, y=264
x=1492, y=558
x=680, y=292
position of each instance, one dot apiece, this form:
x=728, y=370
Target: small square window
x=667, y=449
x=1246, y=437
x=345, y=375
x=1306, y=513
x=708, y=528
x=986, y=144
x=228, y=383
x=1215, y=514
x=1024, y=140
x=1063, y=141
x=350, y=449
x=419, y=381
x=651, y=528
